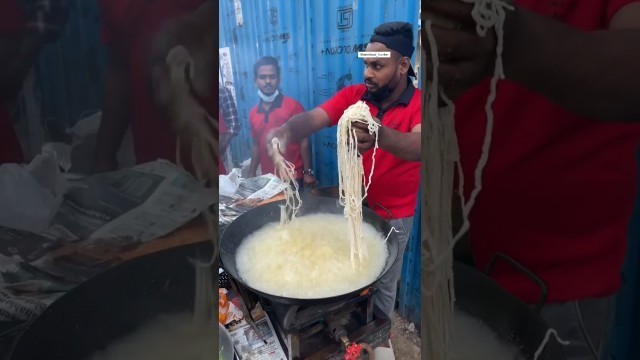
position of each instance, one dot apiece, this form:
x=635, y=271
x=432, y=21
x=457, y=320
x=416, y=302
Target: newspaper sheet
x=100, y=218
x=238, y=195
x=263, y=187
x=250, y=346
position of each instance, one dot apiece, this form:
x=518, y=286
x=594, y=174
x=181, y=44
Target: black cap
x=397, y=36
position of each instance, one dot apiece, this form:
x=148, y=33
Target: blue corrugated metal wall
x=71, y=70
x=409, y=296
x=626, y=332
x=316, y=42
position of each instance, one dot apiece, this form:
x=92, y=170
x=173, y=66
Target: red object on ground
x=353, y=352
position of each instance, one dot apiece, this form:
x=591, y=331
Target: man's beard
x=382, y=93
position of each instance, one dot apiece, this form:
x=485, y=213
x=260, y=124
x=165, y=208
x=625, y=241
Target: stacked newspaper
x=100, y=218
x=238, y=195
x=252, y=346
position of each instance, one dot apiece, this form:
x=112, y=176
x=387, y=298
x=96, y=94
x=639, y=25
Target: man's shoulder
x=354, y=90
x=253, y=111
x=351, y=93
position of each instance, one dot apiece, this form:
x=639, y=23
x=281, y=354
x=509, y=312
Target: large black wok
x=256, y=218
x=113, y=304
x=511, y=319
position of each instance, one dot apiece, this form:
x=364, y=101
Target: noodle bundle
x=351, y=172
x=286, y=171
x=192, y=123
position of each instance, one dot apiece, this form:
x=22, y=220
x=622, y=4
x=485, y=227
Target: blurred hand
x=181, y=81
x=310, y=181
x=188, y=32
x=465, y=57
x=282, y=134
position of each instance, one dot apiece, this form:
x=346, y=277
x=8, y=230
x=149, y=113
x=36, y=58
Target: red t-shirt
x=558, y=189
x=128, y=25
x=395, y=182
x=11, y=23
x=281, y=110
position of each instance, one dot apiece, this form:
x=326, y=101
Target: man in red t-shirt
x=396, y=104
x=274, y=110
x=129, y=28
x=25, y=28
x=558, y=188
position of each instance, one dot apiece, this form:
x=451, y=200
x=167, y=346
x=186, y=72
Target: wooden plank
x=193, y=232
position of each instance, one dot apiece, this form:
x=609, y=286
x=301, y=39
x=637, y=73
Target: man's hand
x=366, y=141
x=188, y=31
x=310, y=181
x=283, y=135
x=465, y=57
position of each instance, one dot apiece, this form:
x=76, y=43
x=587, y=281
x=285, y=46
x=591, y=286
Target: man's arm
x=595, y=74
x=405, y=146
x=115, y=113
x=301, y=126
x=255, y=158
x=305, y=152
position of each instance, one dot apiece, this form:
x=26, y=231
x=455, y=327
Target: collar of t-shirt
x=404, y=99
x=277, y=103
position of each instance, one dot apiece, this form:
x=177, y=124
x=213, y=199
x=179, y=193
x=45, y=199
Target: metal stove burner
x=317, y=332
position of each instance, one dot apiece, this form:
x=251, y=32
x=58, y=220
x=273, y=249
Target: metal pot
x=510, y=318
x=256, y=218
x=225, y=343
x=113, y=304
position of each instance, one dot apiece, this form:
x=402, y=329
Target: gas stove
x=323, y=331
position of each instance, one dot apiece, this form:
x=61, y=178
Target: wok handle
x=533, y=277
